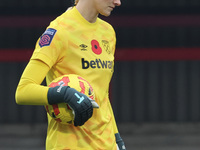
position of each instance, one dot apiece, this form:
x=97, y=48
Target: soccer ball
x=62, y=112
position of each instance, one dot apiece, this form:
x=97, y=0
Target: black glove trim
x=120, y=142
x=56, y=94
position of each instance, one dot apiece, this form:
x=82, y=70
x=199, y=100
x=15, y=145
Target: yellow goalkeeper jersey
x=72, y=45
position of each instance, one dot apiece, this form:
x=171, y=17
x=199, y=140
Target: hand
x=81, y=105
x=120, y=142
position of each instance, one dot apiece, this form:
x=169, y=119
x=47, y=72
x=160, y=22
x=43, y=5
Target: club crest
x=106, y=46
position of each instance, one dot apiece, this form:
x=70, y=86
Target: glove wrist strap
x=118, y=138
x=57, y=94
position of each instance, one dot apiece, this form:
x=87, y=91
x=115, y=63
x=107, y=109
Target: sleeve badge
x=47, y=37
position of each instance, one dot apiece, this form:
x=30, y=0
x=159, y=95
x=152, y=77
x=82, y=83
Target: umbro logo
x=83, y=47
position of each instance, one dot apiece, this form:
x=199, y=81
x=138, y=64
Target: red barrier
x=23, y=21
x=161, y=54
x=116, y=21
x=132, y=54
x=15, y=55
x=154, y=20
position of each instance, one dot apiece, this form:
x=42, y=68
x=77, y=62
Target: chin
x=106, y=14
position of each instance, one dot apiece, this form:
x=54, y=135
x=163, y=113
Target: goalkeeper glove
x=80, y=103
x=120, y=142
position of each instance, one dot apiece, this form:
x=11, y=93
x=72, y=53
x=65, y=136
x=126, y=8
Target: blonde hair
x=76, y=1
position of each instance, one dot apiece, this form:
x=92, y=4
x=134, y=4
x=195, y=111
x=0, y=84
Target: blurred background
x=155, y=88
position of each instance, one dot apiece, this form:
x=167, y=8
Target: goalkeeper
x=76, y=42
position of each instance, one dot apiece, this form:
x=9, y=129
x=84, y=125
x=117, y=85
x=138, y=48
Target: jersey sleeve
x=110, y=107
x=113, y=120
x=29, y=91
x=49, y=47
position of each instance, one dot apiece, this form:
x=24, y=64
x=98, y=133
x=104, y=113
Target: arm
x=113, y=120
x=119, y=140
x=29, y=91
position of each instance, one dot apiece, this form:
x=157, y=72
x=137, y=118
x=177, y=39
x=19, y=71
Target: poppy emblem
x=96, y=47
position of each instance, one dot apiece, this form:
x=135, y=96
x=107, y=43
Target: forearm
x=29, y=90
x=119, y=140
x=31, y=94
x=113, y=119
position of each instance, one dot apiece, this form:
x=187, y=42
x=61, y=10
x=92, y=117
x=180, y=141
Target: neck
x=87, y=11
